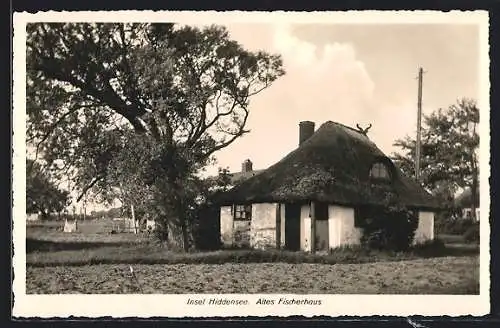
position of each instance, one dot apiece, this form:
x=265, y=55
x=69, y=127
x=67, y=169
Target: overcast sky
x=352, y=73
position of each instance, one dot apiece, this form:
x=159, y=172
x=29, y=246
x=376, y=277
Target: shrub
x=454, y=226
x=388, y=228
x=472, y=234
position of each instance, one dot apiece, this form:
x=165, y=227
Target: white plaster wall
x=342, y=231
x=334, y=228
x=306, y=240
x=241, y=233
x=263, y=226
x=425, y=228
x=305, y=228
x=226, y=226
x=282, y=225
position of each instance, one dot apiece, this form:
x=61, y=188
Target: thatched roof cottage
x=314, y=195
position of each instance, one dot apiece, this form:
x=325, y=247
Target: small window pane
x=379, y=171
x=242, y=212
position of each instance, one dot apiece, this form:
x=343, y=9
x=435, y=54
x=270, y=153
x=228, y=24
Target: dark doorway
x=292, y=227
x=322, y=242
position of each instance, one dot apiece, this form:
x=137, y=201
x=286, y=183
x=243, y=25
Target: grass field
x=450, y=275
x=94, y=261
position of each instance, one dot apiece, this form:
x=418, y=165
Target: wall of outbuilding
x=263, y=226
x=342, y=230
x=226, y=226
x=425, y=228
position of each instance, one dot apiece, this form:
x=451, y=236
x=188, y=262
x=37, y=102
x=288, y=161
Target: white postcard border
x=175, y=305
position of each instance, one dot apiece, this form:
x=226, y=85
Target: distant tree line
x=43, y=196
x=449, y=155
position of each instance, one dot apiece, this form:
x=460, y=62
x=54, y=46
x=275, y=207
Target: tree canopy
x=450, y=141
x=138, y=109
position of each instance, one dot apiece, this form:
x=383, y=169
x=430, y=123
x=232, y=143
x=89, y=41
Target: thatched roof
x=238, y=177
x=331, y=166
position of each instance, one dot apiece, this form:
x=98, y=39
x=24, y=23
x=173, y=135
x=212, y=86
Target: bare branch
x=238, y=134
x=88, y=187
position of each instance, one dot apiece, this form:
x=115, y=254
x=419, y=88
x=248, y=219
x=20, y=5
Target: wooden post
x=278, y=226
x=312, y=213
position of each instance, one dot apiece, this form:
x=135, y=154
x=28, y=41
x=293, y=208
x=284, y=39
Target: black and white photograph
x=238, y=163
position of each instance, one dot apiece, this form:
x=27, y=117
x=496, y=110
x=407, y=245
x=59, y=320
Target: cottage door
x=292, y=227
x=322, y=238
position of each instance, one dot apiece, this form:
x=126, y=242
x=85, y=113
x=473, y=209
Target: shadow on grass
x=36, y=245
x=449, y=251
x=85, y=253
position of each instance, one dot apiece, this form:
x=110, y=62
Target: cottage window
x=379, y=171
x=242, y=212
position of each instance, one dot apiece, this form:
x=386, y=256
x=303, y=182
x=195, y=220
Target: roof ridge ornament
x=365, y=130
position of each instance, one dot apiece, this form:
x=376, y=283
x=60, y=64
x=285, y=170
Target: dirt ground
x=448, y=275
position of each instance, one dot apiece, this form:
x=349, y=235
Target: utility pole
x=419, y=125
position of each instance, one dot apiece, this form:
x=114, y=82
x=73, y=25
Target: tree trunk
x=186, y=235
x=132, y=212
x=179, y=234
x=473, y=198
x=175, y=235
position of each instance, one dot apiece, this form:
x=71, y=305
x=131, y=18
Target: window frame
x=377, y=167
x=242, y=212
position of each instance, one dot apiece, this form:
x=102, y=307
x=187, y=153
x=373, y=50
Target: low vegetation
x=472, y=234
x=452, y=226
x=89, y=254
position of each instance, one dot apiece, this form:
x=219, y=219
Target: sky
x=352, y=73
